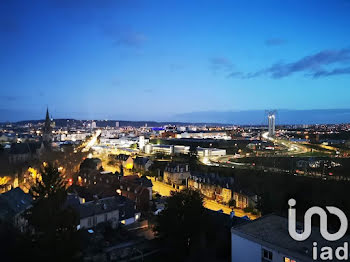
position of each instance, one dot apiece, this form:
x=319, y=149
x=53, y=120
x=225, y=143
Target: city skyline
x=152, y=130
x=153, y=61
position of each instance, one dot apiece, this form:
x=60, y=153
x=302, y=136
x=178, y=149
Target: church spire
x=47, y=114
x=47, y=126
x=47, y=130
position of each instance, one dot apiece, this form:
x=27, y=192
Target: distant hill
x=106, y=123
x=245, y=117
x=258, y=117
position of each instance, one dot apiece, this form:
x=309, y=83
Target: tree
x=180, y=224
x=133, y=146
x=49, y=184
x=121, y=170
x=53, y=221
x=232, y=203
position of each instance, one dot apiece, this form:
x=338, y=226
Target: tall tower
x=141, y=142
x=47, y=130
x=272, y=121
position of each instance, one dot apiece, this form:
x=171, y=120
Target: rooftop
x=108, y=204
x=13, y=202
x=272, y=231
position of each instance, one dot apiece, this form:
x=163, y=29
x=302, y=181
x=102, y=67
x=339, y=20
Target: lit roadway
x=165, y=190
x=293, y=147
x=92, y=141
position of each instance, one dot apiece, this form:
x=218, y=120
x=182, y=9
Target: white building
x=142, y=142
x=204, y=135
x=78, y=136
x=272, y=120
x=122, y=142
x=93, y=125
x=170, y=149
x=148, y=149
x=267, y=240
x=109, y=133
x=208, y=152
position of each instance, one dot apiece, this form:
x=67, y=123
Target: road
x=162, y=188
x=165, y=189
x=294, y=149
x=91, y=142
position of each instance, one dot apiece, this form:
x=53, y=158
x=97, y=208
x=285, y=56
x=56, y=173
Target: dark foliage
x=51, y=220
x=180, y=224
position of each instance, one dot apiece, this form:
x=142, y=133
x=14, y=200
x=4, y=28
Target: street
x=165, y=189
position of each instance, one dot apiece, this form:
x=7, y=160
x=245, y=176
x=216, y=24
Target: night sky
x=151, y=60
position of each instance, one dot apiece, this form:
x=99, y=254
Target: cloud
x=220, y=64
x=275, y=41
x=235, y=74
x=336, y=71
x=312, y=65
x=123, y=36
x=131, y=39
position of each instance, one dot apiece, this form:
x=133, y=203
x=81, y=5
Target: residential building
x=176, y=174
x=222, y=189
x=93, y=177
x=125, y=160
x=245, y=199
x=212, y=186
x=267, y=239
x=94, y=210
x=23, y=152
x=142, y=163
x=138, y=190
x=13, y=205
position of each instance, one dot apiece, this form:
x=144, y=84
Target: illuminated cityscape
x=144, y=131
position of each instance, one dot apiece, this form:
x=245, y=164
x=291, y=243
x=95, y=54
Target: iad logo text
x=326, y=253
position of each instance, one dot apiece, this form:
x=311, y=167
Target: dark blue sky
x=155, y=59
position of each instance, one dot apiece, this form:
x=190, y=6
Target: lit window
x=287, y=259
